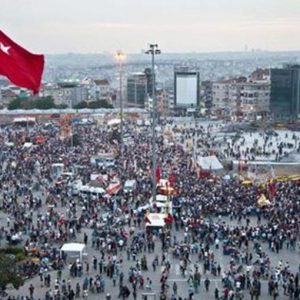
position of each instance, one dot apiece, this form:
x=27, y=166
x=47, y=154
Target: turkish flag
x=172, y=179
x=21, y=67
x=169, y=219
x=272, y=189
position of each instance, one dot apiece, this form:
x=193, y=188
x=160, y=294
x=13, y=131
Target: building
x=285, y=92
x=186, y=88
x=224, y=98
x=100, y=90
x=137, y=90
x=254, y=99
x=148, y=73
x=239, y=97
x=206, y=94
x=66, y=93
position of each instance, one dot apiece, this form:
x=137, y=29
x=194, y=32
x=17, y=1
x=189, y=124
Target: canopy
x=76, y=248
x=247, y=182
x=113, y=122
x=27, y=145
x=167, y=190
x=114, y=188
x=159, y=198
x=163, y=183
x=156, y=220
x=209, y=163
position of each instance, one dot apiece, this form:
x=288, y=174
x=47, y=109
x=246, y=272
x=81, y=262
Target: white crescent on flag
x=4, y=48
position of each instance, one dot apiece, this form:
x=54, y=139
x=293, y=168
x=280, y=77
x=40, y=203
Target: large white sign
x=186, y=89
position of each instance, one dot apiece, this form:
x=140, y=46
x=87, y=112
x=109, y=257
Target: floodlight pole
x=153, y=50
x=120, y=57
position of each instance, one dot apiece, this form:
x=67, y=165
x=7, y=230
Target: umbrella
x=247, y=182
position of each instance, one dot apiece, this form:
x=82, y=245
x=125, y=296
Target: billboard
x=186, y=89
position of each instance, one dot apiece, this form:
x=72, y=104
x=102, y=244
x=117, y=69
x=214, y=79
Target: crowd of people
x=218, y=233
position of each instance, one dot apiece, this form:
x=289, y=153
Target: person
x=31, y=290
x=206, y=284
x=191, y=292
x=216, y=294
x=175, y=288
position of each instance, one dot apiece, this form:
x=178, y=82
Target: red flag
x=172, y=179
x=169, y=219
x=158, y=174
x=272, y=189
x=21, y=67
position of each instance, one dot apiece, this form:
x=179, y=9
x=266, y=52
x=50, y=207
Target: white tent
x=27, y=145
x=156, y=220
x=113, y=122
x=74, y=249
x=209, y=163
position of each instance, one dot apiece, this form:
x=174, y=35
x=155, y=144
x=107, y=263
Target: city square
x=221, y=243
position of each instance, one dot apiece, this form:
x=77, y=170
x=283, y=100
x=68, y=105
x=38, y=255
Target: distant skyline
x=97, y=26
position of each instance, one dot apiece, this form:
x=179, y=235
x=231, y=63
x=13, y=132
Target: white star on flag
x=4, y=48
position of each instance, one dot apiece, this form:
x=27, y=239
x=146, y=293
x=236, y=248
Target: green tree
x=8, y=272
x=99, y=104
x=44, y=103
x=82, y=104
x=62, y=106
x=15, y=104
x=38, y=103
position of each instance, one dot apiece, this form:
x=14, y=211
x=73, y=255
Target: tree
x=61, y=106
x=38, y=103
x=8, y=272
x=44, y=103
x=15, y=104
x=82, y=104
x=99, y=104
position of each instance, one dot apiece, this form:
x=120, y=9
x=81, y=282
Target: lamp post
x=120, y=57
x=153, y=50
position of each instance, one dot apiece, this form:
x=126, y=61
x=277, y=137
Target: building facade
x=285, y=92
x=100, y=90
x=66, y=93
x=241, y=98
x=137, y=90
x=254, y=98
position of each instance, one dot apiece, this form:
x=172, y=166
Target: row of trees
x=93, y=104
x=48, y=103
x=37, y=103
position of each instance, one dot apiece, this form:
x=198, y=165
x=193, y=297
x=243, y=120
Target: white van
x=129, y=186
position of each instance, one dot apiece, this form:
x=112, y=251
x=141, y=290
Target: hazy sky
x=60, y=26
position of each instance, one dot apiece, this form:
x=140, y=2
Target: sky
x=96, y=26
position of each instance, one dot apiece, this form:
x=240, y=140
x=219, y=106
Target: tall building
x=148, y=73
x=206, y=94
x=285, y=92
x=137, y=90
x=186, y=88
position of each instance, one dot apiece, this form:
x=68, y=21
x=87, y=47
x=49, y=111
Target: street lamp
x=120, y=57
x=153, y=50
